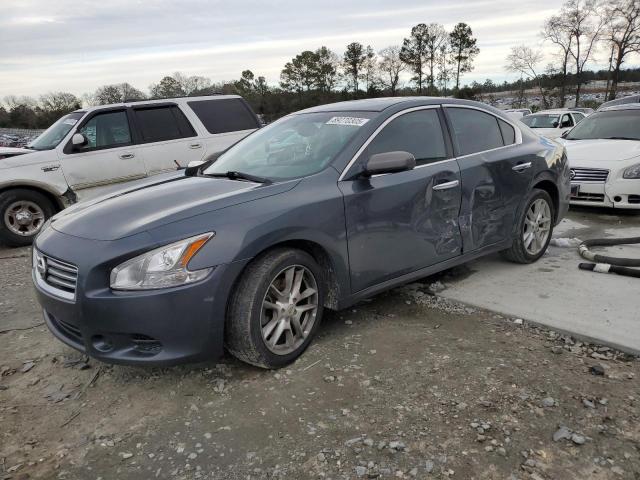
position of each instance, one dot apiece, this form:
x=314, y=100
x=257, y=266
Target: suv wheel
x=535, y=228
x=275, y=308
x=22, y=214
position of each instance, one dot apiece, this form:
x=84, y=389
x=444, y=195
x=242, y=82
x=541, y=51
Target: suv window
x=225, y=115
x=107, y=130
x=508, y=132
x=419, y=133
x=162, y=123
x=474, y=131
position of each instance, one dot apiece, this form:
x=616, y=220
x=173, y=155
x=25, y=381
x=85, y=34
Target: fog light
x=617, y=199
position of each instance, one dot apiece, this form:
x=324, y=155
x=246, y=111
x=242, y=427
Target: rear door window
x=418, y=133
x=224, y=115
x=162, y=123
x=474, y=131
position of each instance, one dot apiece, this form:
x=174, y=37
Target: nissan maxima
x=604, y=156
x=318, y=210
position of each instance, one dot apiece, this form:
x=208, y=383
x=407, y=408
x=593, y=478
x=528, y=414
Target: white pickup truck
x=89, y=151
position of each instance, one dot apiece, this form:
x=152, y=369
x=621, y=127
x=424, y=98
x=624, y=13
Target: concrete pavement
x=555, y=293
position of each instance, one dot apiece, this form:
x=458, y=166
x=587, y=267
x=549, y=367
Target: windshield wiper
x=232, y=175
x=620, y=138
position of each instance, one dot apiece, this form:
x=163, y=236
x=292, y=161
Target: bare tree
x=525, y=60
x=556, y=32
x=622, y=33
x=391, y=67
x=581, y=19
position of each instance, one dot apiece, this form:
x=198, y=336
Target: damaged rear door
x=496, y=174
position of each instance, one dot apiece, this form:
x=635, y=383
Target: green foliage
x=463, y=50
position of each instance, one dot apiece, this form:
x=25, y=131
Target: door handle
x=521, y=167
x=195, y=145
x=126, y=156
x=446, y=185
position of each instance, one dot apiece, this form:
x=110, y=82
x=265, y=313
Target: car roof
x=555, y=111
x=160, y=100
x=382, y=103
x=622, y=106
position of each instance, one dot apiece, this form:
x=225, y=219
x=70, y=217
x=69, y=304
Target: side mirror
x=389, y=162
x=555, y=124
x=79, y=140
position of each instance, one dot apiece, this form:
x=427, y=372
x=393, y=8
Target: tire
x=33, y=203
x=247, y=316
x=519, y=253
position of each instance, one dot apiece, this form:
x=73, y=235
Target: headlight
x=161, y=268
x=632, y=172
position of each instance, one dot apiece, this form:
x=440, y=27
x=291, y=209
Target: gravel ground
x=405, y=385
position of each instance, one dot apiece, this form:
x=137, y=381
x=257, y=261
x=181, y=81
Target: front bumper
x=154, y=327
x=616, y=193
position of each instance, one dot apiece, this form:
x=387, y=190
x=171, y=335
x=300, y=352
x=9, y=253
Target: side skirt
x=423, y=272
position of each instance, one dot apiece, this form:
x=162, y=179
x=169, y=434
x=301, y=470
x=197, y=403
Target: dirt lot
x=405, y=385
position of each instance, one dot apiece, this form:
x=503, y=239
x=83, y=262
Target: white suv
x=87, y=152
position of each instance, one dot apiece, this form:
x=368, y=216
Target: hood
x=28, y=158
x=134, y=211
x=588, y=153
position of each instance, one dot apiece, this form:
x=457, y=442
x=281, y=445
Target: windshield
x=293, y=147
x=622, y=124
x=53, y=135
x=540, y=121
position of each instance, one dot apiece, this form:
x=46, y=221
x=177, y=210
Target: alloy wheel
x=289, y=309
x=537, y=226
x=24, y=218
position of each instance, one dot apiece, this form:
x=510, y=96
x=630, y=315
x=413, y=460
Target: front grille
x=588, y=197
x=634, y=198
x=60, y=277
x=590, y=175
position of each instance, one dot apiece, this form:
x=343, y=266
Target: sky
x=77, y=45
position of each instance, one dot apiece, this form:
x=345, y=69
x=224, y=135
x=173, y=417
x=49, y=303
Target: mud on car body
x=317, y=210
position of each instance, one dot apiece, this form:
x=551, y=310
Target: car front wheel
x=535, y=228
x=275, y=308
x=22, y=214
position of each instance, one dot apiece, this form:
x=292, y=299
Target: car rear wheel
x=535, y=229
x=275, y=308
x=22, y=214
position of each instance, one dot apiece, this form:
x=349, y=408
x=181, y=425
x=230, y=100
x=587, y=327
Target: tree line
x=581, y=30
x=436, y=61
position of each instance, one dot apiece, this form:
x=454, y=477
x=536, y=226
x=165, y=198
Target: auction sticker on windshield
x=352, y=121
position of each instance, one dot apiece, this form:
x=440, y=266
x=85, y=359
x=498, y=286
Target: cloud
x=78, y=45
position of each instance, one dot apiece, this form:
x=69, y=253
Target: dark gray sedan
x=318, y=210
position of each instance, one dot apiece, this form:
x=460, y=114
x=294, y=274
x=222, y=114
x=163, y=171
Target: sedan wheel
x=289, y=309
x=537, y=226
x=533, y=230
x=275, y=308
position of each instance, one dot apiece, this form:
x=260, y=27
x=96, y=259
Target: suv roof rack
x=134, y=100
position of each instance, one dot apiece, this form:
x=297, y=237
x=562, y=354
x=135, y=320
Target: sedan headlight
x=161, y=268
x=632, y=172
